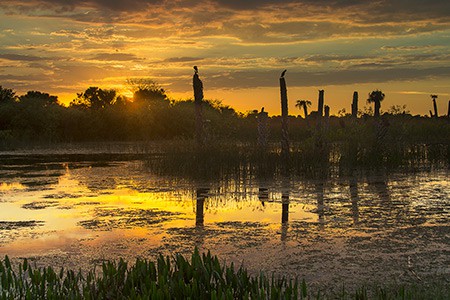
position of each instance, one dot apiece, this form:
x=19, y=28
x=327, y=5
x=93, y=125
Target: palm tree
x=303, y=104
x=376, y=97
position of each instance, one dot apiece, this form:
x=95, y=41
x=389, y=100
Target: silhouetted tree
x=7, y=98
x=94, y=98
x=38, y=116
x=39, y=98
x=376, y=97
x=303, y=104
x=6, y=95
x=146, y=91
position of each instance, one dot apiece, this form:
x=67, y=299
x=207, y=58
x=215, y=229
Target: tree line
x=98, y=114
x=103, y=114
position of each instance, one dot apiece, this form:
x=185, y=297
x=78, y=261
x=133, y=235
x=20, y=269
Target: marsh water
x=76, y=210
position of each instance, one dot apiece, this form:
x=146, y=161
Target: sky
x=401, y=47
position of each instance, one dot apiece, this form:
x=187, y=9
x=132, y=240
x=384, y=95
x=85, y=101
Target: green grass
x=201, y=277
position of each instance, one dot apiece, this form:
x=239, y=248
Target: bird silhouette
x=196, y=69
x=282, y=73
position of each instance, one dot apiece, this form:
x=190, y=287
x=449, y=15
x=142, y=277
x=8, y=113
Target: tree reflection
x=320, y=205
x=201, y=194
x=284, y=213
x=354, y=198
x=263, y=195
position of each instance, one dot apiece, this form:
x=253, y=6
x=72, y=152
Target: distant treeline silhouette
x=104, y=115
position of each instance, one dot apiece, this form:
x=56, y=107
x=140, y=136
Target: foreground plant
x=203, y=277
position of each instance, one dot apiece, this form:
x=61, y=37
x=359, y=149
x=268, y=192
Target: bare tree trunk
x=305, y=110
x=377, y=108
x=198, y=99
x=435, y=108
x=320, y=106
x=355, y=105
x=284, y=119
x=448, y=112
x=262, y=129
x=327, y=111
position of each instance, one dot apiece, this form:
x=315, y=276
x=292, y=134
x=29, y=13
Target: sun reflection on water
x=92, y=211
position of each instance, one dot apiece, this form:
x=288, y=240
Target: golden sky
x=399, y=46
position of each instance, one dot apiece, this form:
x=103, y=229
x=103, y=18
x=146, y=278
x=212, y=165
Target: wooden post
x=320, y=105
x=198, y=99
x=434, y=105
x=355, y=105
x=262, y=129
x=327, y=111
x=448, y=112
x=284, y=118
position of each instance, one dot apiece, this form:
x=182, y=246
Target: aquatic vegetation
x=201, y=277
x=107, y=219
x=10, y=225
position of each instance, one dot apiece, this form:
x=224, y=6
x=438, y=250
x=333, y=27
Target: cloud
x=236, y=44
x=116, y=57
x=254, y=79
x=19, y=57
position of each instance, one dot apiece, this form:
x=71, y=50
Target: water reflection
x=202, y=194
x=319, y=189
x=240, y=217
x=263, y=195
x=354, y=199
x=284, y=214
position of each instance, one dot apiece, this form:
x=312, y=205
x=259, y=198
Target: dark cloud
x=373, y=10
x=254, y=4
x=116, y=57
x=254, y=79
x=115, y=5
x=19, y=57
x=335, y=58
x=182, y=59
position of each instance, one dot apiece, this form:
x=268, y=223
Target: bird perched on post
x=282, y=73
x=196, y=69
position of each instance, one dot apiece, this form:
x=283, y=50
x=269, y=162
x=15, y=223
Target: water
x=76, y=211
